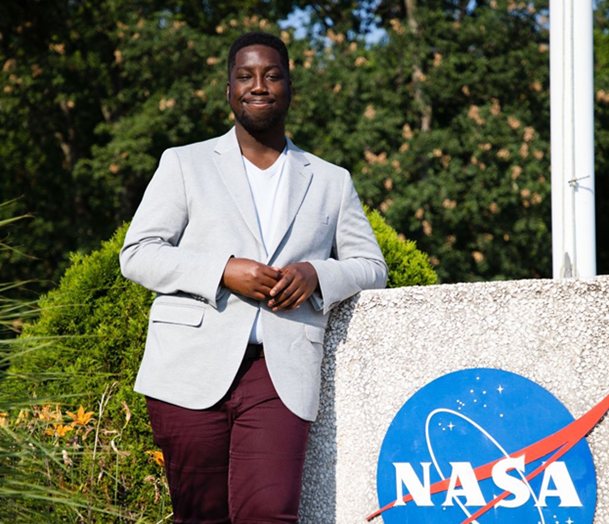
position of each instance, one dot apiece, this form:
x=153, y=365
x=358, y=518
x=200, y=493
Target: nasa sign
x=487, y=446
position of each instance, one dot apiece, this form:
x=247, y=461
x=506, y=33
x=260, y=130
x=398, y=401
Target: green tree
x=473, y=191
x=444, y=123
x=601, y=80
x=87, y=93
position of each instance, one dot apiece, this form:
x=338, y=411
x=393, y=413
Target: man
x=249, y=243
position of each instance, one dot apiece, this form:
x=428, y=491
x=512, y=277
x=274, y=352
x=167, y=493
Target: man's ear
x=228, y=91
x=291, y=90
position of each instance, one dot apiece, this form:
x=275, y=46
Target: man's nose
x=259, y=84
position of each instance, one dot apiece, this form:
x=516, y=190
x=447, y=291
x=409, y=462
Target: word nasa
x=556, y=482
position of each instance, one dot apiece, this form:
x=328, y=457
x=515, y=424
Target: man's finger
x=288, y=289
x=258, y=295
x=288, y=297
x=285, y=281
x=271, y=272
x=264, y=290
x=267, y=282
x=298, y=302
x=292, y=302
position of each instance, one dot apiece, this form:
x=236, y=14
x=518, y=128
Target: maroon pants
x=238, y=462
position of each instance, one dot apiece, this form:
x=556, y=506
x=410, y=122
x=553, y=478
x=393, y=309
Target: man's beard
x=260, y=124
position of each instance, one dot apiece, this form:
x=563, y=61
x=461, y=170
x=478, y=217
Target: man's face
x=259, y=90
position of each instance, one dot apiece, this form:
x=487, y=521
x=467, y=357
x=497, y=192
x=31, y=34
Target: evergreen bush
x=407, y=265
x=97, y=321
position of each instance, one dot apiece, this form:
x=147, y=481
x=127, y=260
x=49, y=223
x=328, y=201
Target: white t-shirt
x=268, y=195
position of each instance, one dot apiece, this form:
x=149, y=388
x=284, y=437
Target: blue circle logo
x=487, y=446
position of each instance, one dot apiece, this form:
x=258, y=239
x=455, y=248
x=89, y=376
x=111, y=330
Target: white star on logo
x=500, y=389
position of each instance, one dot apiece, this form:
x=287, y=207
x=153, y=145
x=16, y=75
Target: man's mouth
x=258, y=102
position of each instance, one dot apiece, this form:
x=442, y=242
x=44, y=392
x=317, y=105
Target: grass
x=56, y=466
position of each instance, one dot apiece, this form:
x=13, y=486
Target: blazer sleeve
x=357, y=261
x=151, y=254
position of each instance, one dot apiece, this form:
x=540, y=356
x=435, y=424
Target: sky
x=300, y=18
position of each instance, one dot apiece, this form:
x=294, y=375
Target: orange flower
x=62, y=430
x=158, y=457
x=80, y=418
x=45, y=414
x=59, y=429
x=23, y=416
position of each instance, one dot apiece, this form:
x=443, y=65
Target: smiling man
x=249, y=242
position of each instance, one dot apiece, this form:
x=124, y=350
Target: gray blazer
x=196, y=213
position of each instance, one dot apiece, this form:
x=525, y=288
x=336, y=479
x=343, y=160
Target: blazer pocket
x=315, y=334
x=318, y=218
x=177, y=314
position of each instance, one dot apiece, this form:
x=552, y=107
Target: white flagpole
x=572, y=133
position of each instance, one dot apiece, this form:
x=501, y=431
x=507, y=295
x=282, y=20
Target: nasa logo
x=487, y=446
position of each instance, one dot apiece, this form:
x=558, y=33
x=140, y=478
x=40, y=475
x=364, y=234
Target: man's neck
x=261, y=149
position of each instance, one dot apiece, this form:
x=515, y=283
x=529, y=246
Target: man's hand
x=297, y=283
x=250, y=278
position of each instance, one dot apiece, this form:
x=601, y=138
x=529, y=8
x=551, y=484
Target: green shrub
x=407, y=265
x=101, y=319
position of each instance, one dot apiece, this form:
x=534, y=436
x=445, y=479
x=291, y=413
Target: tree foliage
x=601, y=131
x=447, y=132
x=444, y=122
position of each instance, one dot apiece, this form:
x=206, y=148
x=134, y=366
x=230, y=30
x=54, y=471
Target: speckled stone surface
x=382, y=346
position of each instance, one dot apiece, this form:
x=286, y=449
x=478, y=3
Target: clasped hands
x=286, y=288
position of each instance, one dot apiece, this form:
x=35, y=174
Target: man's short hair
x=258, y=38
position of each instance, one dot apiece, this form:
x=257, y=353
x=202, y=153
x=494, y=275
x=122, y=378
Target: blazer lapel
x=298, y=178
x=230, y=166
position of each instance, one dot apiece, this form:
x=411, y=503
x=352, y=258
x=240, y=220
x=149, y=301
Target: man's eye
x=243, y=77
